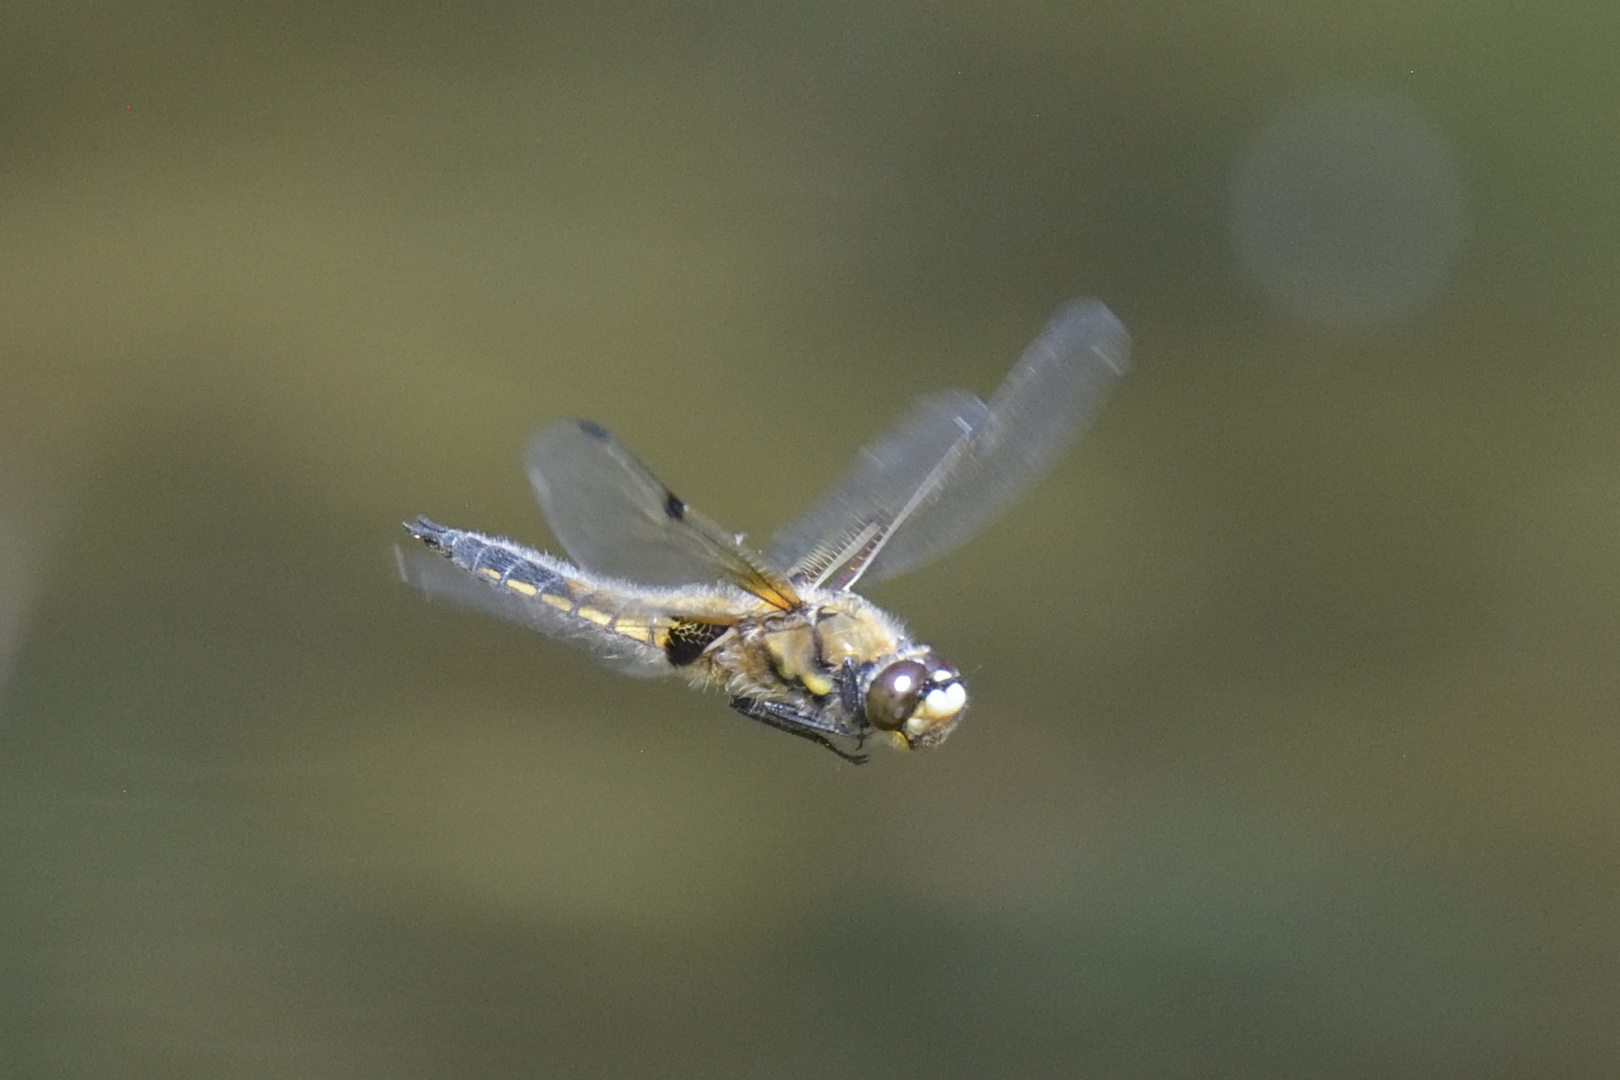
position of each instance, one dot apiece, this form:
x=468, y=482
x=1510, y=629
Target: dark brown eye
x=893, y=695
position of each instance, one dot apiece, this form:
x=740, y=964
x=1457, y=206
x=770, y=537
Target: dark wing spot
x=687, y=640
x=594, y=430
x=673, y=506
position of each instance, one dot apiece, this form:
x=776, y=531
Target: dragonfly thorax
x=854, y=663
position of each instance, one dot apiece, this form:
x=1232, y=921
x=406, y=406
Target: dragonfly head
x=920, y=699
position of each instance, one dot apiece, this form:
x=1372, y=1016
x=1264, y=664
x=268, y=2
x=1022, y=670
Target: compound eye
x=893, y=695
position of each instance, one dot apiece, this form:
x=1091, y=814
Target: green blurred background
x=1297, y=707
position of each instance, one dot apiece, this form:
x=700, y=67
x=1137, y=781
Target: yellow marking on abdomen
x=634, y=631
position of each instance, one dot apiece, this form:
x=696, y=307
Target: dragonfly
x=652, y=587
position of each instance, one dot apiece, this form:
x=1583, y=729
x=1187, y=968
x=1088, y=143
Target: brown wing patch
x=743, y=566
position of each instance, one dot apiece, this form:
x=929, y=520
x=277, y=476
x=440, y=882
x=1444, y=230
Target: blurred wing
x=953, y=464
x=833, y=543
x=612, y=516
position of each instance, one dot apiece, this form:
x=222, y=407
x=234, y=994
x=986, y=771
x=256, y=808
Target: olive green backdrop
x=1296, y=717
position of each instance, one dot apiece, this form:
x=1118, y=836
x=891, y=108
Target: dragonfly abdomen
x=498, y=563
x=548, y=594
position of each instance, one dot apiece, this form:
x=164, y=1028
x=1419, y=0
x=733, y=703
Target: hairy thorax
x=805, y=648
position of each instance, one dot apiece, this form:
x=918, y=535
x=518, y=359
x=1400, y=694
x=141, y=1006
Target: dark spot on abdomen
x=687, y=640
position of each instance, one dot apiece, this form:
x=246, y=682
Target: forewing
x=953, y=464
x=612, y=516
x=832, y=541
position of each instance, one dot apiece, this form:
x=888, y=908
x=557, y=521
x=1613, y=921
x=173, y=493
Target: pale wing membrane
x=440, y=579
x=838, y=534
x=954, y=464
x=612, y=516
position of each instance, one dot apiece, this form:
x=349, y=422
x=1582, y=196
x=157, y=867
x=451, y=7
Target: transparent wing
x=612, y=516
x=953, y=464
x=833, y=543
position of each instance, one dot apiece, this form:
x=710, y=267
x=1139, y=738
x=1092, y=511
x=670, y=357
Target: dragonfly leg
x=782, y=718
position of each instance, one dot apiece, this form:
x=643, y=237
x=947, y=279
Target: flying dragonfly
x=652, y=587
